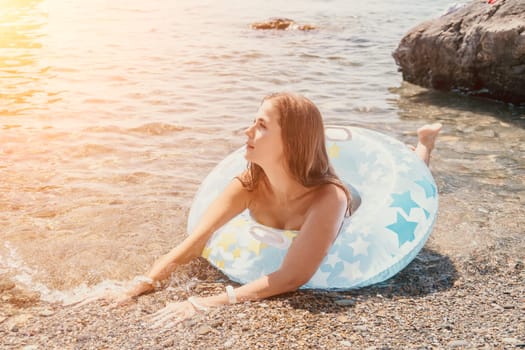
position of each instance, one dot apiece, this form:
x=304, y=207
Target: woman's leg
x=427, y=135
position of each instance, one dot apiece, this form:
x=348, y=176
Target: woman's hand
x=172, y=314
x=116, y=295
x=177, y=312
x=113, y=298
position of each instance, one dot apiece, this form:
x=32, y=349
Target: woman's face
x=265, y=145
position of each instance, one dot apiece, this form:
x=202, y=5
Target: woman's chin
x=248, y=155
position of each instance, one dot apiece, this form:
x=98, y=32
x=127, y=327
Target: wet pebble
x=361, y=328
x=458, y=343
x=345, y=302
x=513, y=341
x=204, y=329
x=46, y=313
x=343, y=319
x=6, y=285
x=228, y=343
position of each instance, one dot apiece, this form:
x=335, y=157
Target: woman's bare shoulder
x=331, y=193
x=328, y=198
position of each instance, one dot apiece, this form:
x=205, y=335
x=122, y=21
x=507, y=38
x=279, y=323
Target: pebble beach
x=434, y=303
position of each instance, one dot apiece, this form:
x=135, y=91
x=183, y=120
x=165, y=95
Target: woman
x=290, y=185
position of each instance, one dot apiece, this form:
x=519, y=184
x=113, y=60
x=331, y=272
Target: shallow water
x=111, y=113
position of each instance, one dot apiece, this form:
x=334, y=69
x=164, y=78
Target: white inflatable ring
x=399, y=203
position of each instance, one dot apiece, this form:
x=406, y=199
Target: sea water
x=112, y=112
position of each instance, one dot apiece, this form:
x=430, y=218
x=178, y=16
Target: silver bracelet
x=196, y=305
x=232, y=298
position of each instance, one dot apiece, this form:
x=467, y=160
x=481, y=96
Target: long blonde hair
x=304, y=146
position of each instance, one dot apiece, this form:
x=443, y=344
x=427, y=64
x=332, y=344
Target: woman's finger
x=162, y=318
x=120, y=300
x=82, y=302
x=165, y=311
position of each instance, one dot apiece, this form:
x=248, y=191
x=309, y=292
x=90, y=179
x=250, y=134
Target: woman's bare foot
x=427, y=135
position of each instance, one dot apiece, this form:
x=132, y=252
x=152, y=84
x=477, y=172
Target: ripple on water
x=157, y=129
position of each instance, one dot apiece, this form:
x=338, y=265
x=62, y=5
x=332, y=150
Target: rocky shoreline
x=477, y=49
x=436, y=302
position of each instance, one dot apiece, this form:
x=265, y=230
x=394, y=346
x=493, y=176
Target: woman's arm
x=305, y=254
x=233, y=200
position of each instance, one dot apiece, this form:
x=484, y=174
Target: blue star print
x=335, y=272
x=430, y=189
x=403, y=229
x=403, y=201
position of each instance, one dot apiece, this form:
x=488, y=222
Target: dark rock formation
x=478, y=49
x=281, y=24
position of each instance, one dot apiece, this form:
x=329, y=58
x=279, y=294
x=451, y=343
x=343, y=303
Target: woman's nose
x=249, y=131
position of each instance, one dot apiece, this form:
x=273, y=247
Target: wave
x=157, y=129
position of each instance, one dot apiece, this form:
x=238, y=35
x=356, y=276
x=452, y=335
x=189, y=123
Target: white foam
x=23, y=275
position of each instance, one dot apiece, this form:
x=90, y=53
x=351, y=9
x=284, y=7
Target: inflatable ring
x=399, y=202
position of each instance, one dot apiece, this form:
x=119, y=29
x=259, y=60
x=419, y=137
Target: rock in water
x=478, y=48
x=281, y=24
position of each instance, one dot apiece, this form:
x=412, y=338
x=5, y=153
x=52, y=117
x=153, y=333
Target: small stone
x=360, y=328
x=84, y=338
x=345, y=302
x=512, y=341
x=170, y=343
x=346, y=343
x=458, y=343
x=216, y=323
x=343, y=319
x=205, y=329
x=6, y=285
x=228, y=343
x=46, y=313
x=30, y=347
x=488, y=133
x=447, y=326
x=483, y=210
x=497, y=306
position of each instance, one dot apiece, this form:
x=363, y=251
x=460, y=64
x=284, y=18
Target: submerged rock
x=281, y=24
x=478, y=48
